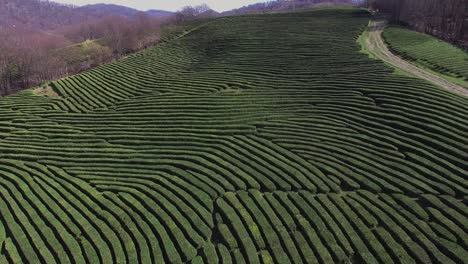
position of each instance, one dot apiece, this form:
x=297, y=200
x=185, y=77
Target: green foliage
x=428, y=51
x=261, y=138
x=88, y=52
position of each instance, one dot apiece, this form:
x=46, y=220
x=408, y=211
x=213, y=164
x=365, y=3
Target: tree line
x=28, y=57
x=447, y=19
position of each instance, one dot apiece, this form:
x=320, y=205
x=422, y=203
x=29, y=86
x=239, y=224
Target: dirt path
x=376, y=45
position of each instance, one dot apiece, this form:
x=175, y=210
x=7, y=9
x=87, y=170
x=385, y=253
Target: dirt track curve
x=376, y=46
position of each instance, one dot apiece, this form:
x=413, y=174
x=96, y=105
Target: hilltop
x=103, y=10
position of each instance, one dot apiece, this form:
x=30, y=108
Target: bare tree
x=30, y=55
x=444, y=19
x=192, y=12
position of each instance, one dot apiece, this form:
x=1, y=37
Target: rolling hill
x=159, y=13
x=45, y=15
x=103, y=10
x=250, y=139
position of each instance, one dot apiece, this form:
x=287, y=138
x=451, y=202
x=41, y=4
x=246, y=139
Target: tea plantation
x=250, y=139
x=427, y=51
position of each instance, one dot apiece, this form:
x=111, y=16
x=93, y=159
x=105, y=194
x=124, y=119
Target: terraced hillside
x=428, y=51
x=266, y=138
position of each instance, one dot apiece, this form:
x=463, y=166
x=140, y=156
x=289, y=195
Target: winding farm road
x=377, y=47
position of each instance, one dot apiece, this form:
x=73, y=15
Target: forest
x=447, y=20
x=43, y=40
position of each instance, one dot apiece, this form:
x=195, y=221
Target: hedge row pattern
x=253, y=139
x=427, y=51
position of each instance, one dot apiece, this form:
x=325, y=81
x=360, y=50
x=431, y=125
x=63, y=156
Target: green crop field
x=427, y=51
x=251, y=139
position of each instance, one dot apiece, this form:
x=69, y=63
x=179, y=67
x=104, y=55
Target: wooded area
x=446, y=19
x=43, y=40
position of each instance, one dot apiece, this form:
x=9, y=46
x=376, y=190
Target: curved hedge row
x=361, y=226
x=262, y=138
x=427, y=51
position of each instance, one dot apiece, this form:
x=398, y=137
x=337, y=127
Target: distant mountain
x=160, y=13
x=35, y=14
x=103, y=10
x=48, y=15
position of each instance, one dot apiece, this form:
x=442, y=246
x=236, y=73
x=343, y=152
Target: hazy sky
x=170, y=5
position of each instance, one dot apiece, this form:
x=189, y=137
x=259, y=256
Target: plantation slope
x=263, y=138
x=376, y=45
x=428, y=51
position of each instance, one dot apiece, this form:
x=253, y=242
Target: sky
x=169, y=5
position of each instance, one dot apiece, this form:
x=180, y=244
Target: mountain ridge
x=101, y=10
x=45, y=15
